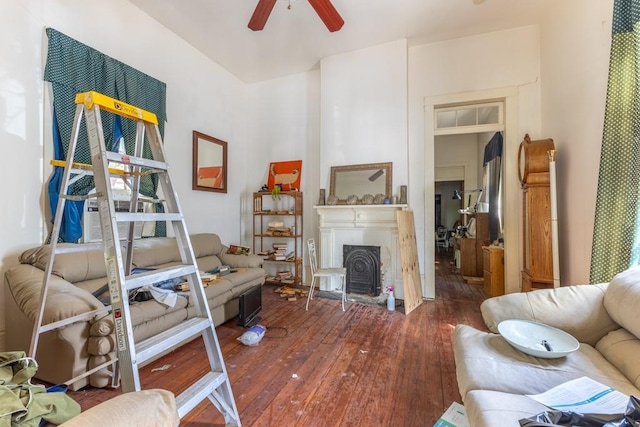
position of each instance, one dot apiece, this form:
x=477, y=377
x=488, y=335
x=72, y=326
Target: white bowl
x=530, y=338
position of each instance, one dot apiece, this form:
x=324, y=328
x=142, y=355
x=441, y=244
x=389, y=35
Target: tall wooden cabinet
x=533, y=171
x=277, y=235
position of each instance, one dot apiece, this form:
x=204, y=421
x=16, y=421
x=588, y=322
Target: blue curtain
x=493, y=183
x=73, y=67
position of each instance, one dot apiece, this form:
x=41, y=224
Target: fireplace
x=363, y=269
x=372, y=225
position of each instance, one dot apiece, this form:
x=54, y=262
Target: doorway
x=510, y=196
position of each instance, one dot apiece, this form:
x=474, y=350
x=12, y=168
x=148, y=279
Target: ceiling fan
x=324, y=8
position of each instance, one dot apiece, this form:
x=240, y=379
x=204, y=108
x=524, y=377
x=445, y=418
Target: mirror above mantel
x=360, y=180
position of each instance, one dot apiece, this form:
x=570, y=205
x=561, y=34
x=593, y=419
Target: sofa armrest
x=64, y=299
x=578, y=310
x=241, y=261
x=146, y=408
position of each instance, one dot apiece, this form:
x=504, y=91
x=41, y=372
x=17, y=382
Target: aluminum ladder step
x=160, y=275
x=198, y=391
x=144, y=217
x=136, y=161
x=151, y=347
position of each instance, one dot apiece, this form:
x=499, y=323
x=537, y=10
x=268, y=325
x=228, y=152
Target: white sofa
x=493, y=377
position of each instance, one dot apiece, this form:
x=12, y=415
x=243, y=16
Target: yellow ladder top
x=115, y=106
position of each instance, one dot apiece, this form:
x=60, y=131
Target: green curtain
x=74, y=67
x=615, y=237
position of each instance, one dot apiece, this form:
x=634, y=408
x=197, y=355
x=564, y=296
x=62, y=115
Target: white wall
x=576, y=40
x=364, y=110
x=200, y=96
x=283, y=124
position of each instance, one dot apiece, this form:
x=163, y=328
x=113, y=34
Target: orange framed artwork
x=285, y=174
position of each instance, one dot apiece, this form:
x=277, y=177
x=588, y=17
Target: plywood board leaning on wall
x=409, y=261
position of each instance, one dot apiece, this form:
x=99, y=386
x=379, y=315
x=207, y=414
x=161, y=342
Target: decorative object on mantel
x=379, y=199
x=332, y=200
x=367, y=199
x=403, y=194
x=352, y=199
x=321, y=199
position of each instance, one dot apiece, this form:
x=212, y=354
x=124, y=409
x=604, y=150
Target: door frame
x=511, y=188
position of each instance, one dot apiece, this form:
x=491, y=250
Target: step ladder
x=215, y=384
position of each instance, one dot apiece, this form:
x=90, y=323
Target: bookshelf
x=277, y=236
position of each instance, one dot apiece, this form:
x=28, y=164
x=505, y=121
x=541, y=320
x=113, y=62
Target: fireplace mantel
x=374, y=225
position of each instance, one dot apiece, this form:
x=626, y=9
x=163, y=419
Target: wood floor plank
x=325, y=367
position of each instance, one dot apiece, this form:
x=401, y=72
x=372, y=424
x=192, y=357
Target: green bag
x=26, y=404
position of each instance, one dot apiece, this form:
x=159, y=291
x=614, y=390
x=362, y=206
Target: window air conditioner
x=91, y=230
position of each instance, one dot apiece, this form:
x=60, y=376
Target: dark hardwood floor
x=366, y=366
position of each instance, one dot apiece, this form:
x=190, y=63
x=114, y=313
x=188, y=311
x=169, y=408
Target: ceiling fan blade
x=261, y=14
x=328, y=14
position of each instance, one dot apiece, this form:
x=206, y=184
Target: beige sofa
x=70, y=351
x=493, y=377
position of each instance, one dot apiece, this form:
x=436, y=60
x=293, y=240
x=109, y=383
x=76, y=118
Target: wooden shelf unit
x=288, y=209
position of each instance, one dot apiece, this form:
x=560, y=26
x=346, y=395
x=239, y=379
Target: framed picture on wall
x=209, y=163
x=285, y=174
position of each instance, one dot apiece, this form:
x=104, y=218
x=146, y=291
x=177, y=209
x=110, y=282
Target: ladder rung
x=154, y=276
x=155, y=345
x=73, y=319
x=94, y=370
x=136, y=161
x=188, y=399
x=144, y=216
x=78, y=198
x=79, y=248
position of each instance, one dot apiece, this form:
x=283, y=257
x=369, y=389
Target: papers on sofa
x=584, y=396
x=454, y=416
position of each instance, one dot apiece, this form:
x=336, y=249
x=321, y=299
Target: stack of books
x=285, y=277
x=280, y=251
x=278, y=231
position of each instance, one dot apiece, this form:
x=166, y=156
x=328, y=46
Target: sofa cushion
x=145, y=408
x=155, y=251
x=206, y=244
x=622, y=349
x=488, y=408
x=72, y=266
x=622, y=300
x=485, y=361
x=64, y=300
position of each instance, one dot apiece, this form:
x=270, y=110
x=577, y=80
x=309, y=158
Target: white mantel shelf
x=374, y=225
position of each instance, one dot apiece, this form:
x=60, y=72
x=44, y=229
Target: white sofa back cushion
x=622, y=300
x=622, y=350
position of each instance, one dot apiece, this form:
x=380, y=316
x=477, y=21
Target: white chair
x=324, y=272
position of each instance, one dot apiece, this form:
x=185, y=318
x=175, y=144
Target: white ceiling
x=294, y=40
